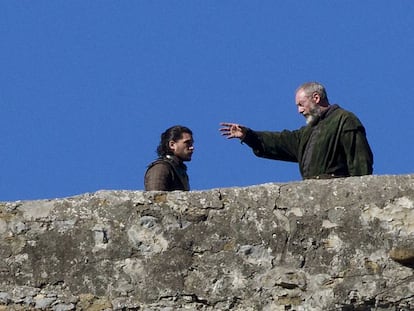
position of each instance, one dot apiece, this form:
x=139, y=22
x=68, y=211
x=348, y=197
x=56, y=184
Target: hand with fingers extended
x=233, y=130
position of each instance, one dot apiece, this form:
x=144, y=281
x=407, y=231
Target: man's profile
x=168, y=172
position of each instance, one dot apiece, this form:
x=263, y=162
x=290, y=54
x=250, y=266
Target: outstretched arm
x=233, y=130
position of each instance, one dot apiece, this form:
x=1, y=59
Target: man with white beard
x=332, y=144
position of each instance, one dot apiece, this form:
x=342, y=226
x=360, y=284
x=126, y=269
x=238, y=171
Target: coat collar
x=325, y=114
x=175, y=160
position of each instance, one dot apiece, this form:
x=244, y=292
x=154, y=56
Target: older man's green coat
x=336, y=146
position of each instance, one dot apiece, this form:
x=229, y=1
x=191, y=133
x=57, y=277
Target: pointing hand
x=233, y=130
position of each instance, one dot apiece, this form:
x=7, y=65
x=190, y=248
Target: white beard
x=313, y=117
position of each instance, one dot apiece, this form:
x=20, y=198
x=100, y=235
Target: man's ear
x=316, y=97
x=171, y=144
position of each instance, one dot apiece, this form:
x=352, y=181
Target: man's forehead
x=186, y=136
x=300, y=95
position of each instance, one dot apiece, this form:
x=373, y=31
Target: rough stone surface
x=310, y=245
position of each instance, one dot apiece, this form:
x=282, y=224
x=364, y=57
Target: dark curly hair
x=173, y=133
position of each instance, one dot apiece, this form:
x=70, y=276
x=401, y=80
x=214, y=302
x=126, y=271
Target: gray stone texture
x=309, y=245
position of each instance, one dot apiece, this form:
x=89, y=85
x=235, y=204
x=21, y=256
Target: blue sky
x=86, y=87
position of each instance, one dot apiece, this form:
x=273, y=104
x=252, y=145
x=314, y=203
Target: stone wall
x=310, y=245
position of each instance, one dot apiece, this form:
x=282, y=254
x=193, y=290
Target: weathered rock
x=310, y=245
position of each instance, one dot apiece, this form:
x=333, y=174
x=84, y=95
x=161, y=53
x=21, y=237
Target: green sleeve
x=357, y=150
x=274, y=145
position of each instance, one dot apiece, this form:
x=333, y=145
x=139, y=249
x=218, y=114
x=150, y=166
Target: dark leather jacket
x=166, y=174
